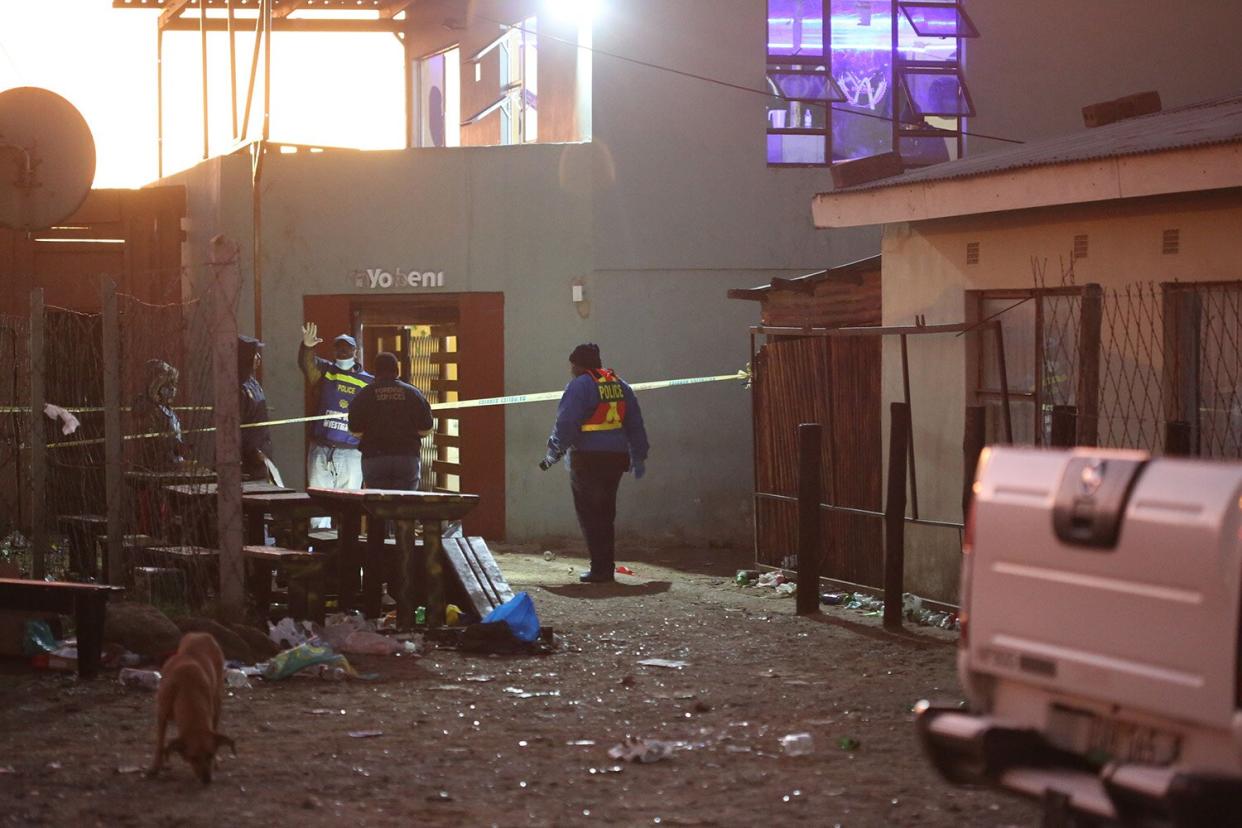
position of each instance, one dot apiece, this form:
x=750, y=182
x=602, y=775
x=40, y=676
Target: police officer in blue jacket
x=333, y=460
x=600, y=426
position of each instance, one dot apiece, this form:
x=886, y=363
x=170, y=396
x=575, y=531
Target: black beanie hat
x=586, y=355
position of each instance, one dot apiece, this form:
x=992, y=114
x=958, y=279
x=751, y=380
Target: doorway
x=450, y=347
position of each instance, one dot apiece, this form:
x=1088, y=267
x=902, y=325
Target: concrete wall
x=670, y=206
x=1039, y=62
x=925, y=272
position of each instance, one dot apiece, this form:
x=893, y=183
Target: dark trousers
x=395, y=471
x=594, y=477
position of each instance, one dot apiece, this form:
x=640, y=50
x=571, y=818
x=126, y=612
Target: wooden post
x=1088, y=392
x=113, y=442
x=895, y=514
x=972, y=446
x=1064, y=426
x=224, y=287
x=1006, y=412
x=37, y=438
x=1177, y=438
x=809, y=462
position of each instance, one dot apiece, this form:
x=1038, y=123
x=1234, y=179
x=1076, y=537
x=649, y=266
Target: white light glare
x=579, y=10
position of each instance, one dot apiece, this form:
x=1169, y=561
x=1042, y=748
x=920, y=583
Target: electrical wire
x=726, y=84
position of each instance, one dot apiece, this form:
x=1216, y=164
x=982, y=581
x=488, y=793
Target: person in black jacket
x=391, y=418
x=256, y=443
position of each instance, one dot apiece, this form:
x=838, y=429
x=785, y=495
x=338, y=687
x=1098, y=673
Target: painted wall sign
x=375, y=278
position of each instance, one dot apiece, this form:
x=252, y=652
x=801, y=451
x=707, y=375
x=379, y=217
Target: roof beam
x=393, y=8
x=172, y=11
x=284, y=8
x=293, y=24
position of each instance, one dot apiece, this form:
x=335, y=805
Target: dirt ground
x=484, y=740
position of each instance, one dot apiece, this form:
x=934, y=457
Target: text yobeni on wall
x=375, y=278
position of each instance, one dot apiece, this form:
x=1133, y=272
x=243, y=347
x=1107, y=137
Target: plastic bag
x=38, y=639
x=370, y=643
x=289, y=633
x=283, y=665
x=519, y=613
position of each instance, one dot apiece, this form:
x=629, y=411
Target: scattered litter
x=446, y=688
x=364, y=642
x=581, y=743
x=786, y=589
x=442, y=796
x=609, y=769
x=745, y=577
x=237, y=679
x=549, y=555
x=128, y=769
x=644, y=751
x=798, y=744
x=303, y=656
x=8, y=769
x=848, y=743
x=365, y=734
x=479, y=678
x=54, y=766
x=323, y=711
x=624, y=570
x=770, y=579
x=452, y=615
x=831, y=599
x=38, y=639
x=146, y=679
x=793, y=796
x=519, y=613
x=288, y=633
x=663, y=662
x=530, y=694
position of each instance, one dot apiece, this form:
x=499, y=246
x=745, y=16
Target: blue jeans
x=396, y=471
x=594, y=477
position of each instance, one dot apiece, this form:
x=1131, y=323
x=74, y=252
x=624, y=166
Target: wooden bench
x=477, y=573
x=83, y=531
x=87, y=603
x=200, y=565
x=306, y=574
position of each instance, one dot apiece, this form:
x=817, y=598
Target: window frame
x=904, y=7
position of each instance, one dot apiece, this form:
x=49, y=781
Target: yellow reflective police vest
x=609, y=415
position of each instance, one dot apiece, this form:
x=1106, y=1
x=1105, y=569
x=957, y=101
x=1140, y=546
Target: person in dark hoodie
x=600, y=425
x=153, y=414
x=256, y=443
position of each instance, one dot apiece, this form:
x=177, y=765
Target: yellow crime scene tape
x=513, y=399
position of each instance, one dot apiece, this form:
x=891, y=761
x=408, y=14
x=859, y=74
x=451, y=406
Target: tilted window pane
x=939, y=20
x=936, y=93
x=804, y=83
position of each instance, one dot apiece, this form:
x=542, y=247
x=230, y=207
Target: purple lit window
x=796, y=27
x=797, y=149
x=796, y=83
x=939, y=20
x=936, y=92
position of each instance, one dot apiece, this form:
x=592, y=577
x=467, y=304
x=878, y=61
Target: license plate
x=1101, y=739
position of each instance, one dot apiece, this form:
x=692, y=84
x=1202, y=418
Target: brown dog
x=191, y=692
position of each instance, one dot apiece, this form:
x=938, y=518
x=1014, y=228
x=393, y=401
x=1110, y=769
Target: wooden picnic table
x=87, y=603
x=297, y=508
x=422, y=581
x=195, y=504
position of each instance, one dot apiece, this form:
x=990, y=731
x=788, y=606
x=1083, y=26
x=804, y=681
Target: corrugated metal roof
x=1217, y=121
x=807, y=282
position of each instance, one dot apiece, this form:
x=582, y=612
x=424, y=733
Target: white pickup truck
x=1101, y=645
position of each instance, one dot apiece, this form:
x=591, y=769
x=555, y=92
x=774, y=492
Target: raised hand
x=310, y=335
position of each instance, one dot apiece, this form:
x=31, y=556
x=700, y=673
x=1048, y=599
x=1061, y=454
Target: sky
x=329, y=89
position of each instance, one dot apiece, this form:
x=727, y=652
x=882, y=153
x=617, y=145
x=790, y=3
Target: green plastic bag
x=283, y=665
x=38, y=639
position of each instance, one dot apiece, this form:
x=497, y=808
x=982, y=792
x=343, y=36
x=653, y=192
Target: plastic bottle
x=146, y=679
x=236, y=678
x=420, y=615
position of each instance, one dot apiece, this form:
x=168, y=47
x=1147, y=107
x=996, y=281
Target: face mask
x=345, y=364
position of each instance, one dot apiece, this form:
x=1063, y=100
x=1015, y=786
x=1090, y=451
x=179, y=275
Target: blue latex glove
x=639, y=467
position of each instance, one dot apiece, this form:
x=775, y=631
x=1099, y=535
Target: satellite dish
x=47, y=158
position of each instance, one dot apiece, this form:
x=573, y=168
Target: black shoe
x=589, y=577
